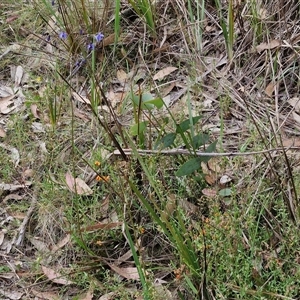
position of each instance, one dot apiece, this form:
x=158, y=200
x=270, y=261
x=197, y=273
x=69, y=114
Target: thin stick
x=199, y=153
x=19, y=240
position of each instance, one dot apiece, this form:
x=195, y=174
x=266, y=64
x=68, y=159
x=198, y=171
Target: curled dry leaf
x=167, y=89
x=28, y=173
x=55, y=276
x=169, y=208
x=109, y=40
x=204, y=168
x=262, y=14
x=8, y=242
x=11, y=18
x=291, y=142
x=39, y=244
x=13, y=47
x=121, y=75
x=81, y=115
x=6, y=91
x=225, y=179
x=12, y=196
x=17, y=215
x=209, y=192
x=6, y=104
x=115, y=97
x=210, y=179
x=188, y=207
x=163, y=73
x=37, y=127
x=2, y=132
x=210, y=171
x=14, y=187
x=268, y=46
x=13, y=295
x=128, y=273
x=2, y=233
x=35, y=111
x=162, y=292
x=45, y=295
x=61, y=243
x=108, y=296
x=270, y=89
x=103, y=226
x=296, y=117
x=18, y=75
x=295, y=102
x=77, y=185
x=124, y=257
x=43, y=148
x=86, y=296
x=15, y=156
x=214, y=165
x=10, y=100
x=81, y=98
x=7, y=275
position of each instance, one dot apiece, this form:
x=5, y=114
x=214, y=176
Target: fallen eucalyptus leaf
x=164, y=72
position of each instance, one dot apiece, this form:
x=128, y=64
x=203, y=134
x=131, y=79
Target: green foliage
x=227, y=26
x=197, y=141
x=197, y=19
x=187, y=124
x=225, y=192
x=139, y=128
x=145, y=285
x=194, y=164
x=146, y=101
x=146, y=11
x=189, y=167
x=166, y=141
x=200, y=140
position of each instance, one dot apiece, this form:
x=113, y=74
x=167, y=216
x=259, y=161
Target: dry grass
x=181, y=237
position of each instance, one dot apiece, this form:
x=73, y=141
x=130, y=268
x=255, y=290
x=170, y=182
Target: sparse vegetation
x=149, y=150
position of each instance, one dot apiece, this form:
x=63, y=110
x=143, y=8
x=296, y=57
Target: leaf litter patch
x=213, y=100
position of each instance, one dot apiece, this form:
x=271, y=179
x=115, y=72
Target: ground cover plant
x=149, y=149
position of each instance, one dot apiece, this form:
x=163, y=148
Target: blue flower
x=63, y=35
x=99, y=37
x=90, y=47
x=79, y=62
x=53, y=2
